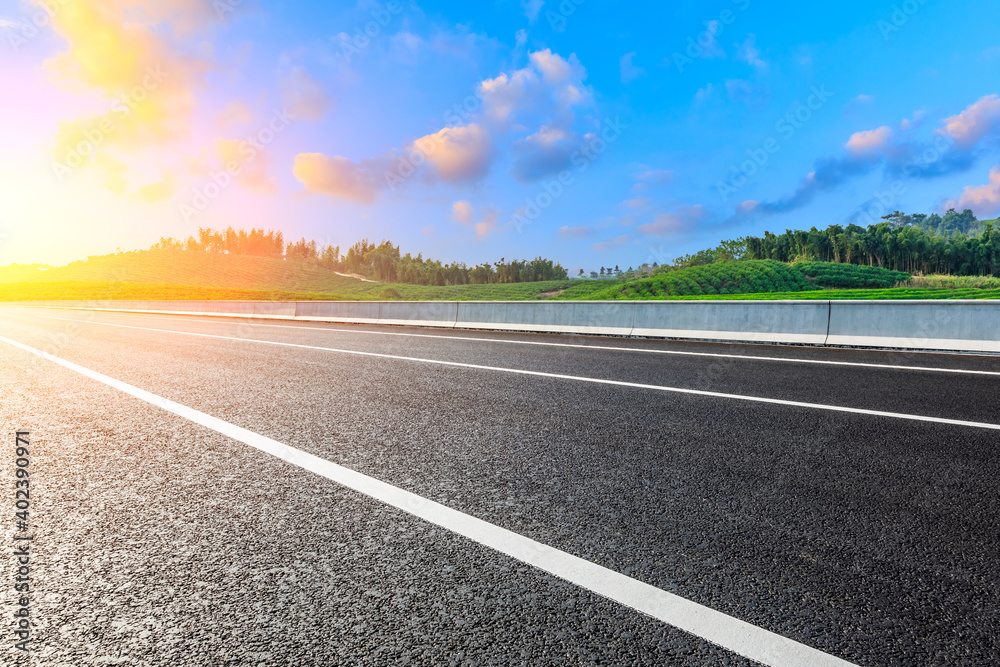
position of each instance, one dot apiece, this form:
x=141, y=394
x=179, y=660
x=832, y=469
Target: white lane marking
x=726, y=631
x=574, y=378
x=614, y=348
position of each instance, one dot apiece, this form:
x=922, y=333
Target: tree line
x=231, y=242
x=956, y=244
x=382, y=262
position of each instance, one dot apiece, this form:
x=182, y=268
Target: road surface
x=226, y=492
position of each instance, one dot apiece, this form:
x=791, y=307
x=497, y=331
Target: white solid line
x=575, y=378
x=613, y=348
x=726, y=631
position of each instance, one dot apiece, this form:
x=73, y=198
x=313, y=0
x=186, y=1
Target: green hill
x=851, y=276
x=746, y=277
x=180, y=274
x=180, y=267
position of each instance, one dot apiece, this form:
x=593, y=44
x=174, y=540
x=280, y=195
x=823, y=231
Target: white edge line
x=716, y=627
x=574, y=378
x=613, y=348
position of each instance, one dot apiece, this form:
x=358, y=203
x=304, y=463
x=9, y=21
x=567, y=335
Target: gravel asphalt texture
x=161, y=542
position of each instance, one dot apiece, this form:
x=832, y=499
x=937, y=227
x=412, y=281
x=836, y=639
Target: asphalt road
x=864, y=524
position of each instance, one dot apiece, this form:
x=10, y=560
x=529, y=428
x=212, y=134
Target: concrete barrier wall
x=235, y=308
x=971, y=326
x=357, y=312
x=422, y=313
x=178, y=306
x=803, y=322
x=122, y=305
x=274, y=310
x=582, y=317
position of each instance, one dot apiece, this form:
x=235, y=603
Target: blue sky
x=593, y=133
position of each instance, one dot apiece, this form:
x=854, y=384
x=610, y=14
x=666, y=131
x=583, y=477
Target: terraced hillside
x=849, y=276
x=748, y=277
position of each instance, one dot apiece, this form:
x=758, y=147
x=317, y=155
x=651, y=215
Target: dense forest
x=382, y=262
x=955, y=244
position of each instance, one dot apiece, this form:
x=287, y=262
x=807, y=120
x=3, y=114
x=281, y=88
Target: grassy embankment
x=176, y=274
x=171, y=274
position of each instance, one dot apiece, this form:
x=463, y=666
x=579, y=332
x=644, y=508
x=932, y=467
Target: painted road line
x=614, y=348
x=721, y=629
x=572, y=378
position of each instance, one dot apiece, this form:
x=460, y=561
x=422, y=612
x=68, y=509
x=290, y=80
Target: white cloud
x=461, y=211
x=234, y=113
x=610, y=243
x=458, y=153
x=982, y=199
x=637, y=204
x=916, y=121
x=568, y=232
x=629, y=71
x=680, y=221
x=869, y=141
x=544, y=153
x=459, y=43
x=975, y=122
x=703, y=94
x=858, y=103
x=555, y=69
x=546, y=94
x=304, y=96
x=651, y=179
x=550, y=86
x=532, y=8
x=749, y=53
x=335, y=176
x=253, y=174
x=406, y=44
x=488, y=224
